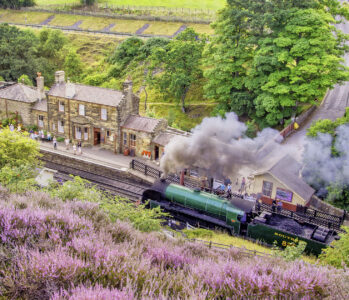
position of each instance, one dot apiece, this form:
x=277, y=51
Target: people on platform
x=54, y=142
x=79, y=148
x=279, y=208
x=49, y=136
x=74, y=149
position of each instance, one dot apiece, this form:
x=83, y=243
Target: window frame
x=61, y=126
x=125, y=139
x=60, y=105
x=271, y=190
x=86, y=133
x=40, y=122
x=81, y=107
x=132, y=141
x=78, y=132
x=106, y=114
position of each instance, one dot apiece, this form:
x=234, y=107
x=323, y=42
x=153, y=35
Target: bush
x=338, y=254
x=198, y=233
x=291, y=252
x=127, y=51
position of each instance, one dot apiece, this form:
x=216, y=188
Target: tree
x=88, y=2
x=127, y=51
x=16, y=3
x=25, y=80
x=18, y=53
x=73, y=65
x=17, y=150
x=180, y=63
x=268, y=57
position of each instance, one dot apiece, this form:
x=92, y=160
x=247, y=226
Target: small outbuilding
x=283, y=182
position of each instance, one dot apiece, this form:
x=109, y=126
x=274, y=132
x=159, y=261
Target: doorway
x=156, y=153
x=96, y=136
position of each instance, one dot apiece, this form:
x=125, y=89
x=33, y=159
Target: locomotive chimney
x=181, y=179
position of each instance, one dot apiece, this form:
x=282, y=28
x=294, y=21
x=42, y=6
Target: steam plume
x=321, y=167
x=220, y=146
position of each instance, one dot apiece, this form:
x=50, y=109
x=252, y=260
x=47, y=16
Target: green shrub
x=291, y=252
x=338, y=254
x=198, y=233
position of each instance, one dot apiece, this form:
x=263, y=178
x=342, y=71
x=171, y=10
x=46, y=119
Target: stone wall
x=143, y=142
x=66, y=163
x=35, y=117
x=23, y=109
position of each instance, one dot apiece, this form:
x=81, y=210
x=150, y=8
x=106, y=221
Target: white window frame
x=61, y=126
x=81, y=109
x=40, y=121
x=125, y=139
x=61, y=106
x=86, y=134
x=133, y=140
x=104, y=114
x=78, y=133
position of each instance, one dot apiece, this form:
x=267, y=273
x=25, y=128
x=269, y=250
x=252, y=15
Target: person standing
x=54, y=143
x=49, y=136
x=74, y=149
x=243, y=183
x=66, y=141
x=279, y=208
x=79, y=148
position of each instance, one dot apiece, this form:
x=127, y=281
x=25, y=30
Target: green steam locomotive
x=238, y=216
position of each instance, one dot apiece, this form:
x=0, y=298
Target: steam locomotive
x=236, y=215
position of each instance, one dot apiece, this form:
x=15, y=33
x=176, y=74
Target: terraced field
x=99, y=23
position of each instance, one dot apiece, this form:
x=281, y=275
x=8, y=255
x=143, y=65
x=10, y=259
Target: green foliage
x=18, y=179
x=338, y=254
x=16, y=149
x=338, y=195
x=25, y=80
x=16, y=3
x=146, y=50
x=198, y=233
x=117, y=208
x=269, y=57
x=1, y=78
x=252, y=129
x=73, y=65
x=291, y=252
x=180, y=61
x=127, y=51
x=171, y=117
x=88, y=2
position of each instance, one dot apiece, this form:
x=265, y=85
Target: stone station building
x=95, y=116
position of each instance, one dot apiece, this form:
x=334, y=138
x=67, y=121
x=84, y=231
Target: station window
x=78, y=133
x=108, y=133
x=61, y=126
x=86, y=134
x=133, y=140
x=267, y=188
x=81, y=109
x=41, y=121
x=125, y=139
x=61, y=106
x=104, y=114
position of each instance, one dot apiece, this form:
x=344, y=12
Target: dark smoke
x=322, y=167
x=220, y=146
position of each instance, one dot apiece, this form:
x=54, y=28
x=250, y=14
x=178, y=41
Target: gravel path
x=75, y=26
x=182, y=28
x=107, y=29
x=48, y=20
x=142, y=29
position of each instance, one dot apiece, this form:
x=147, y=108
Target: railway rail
x=114, y=186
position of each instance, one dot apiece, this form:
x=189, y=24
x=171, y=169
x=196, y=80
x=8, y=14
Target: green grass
x=23, y=17
x=192, y=4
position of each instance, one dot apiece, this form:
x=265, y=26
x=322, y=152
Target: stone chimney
x=130, y=98
x=59, y=77
x=40, y=86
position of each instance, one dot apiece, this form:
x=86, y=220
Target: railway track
x=114, y=186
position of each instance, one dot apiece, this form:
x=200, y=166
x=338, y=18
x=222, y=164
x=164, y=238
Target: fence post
x=145, y=170
x=133, y=164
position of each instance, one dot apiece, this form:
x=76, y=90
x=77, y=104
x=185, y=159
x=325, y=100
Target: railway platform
x=101, y=157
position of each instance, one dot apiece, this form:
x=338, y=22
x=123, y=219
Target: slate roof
x=163, y=138
x=87, y=93
x=20, y=92
x=140, y=123
x=287, y=171
x=41, y=105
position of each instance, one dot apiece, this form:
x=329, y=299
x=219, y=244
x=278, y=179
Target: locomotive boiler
x=236, y=215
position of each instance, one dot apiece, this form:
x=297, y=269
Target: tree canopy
x=269, y=57
x=16, y=3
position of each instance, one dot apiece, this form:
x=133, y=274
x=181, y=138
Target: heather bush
x=55, y=249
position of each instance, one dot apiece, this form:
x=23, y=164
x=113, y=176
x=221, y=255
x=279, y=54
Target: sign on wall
x=283, y=195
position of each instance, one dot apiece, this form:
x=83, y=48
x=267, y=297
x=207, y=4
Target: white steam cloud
x=321, y=168
x=220, y=146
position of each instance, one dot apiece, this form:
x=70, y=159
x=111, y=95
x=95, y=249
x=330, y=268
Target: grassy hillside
x=193, y=4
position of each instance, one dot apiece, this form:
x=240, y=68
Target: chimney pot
x=60, y=77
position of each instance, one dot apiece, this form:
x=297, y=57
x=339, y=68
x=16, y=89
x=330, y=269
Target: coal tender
x=203, y=209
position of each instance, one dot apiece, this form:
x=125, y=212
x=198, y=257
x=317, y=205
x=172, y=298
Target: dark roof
x=141, y=123
x=41, y=105
x=287, y=170
x=86, y=93
x=19, y=92
x=164, y=138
